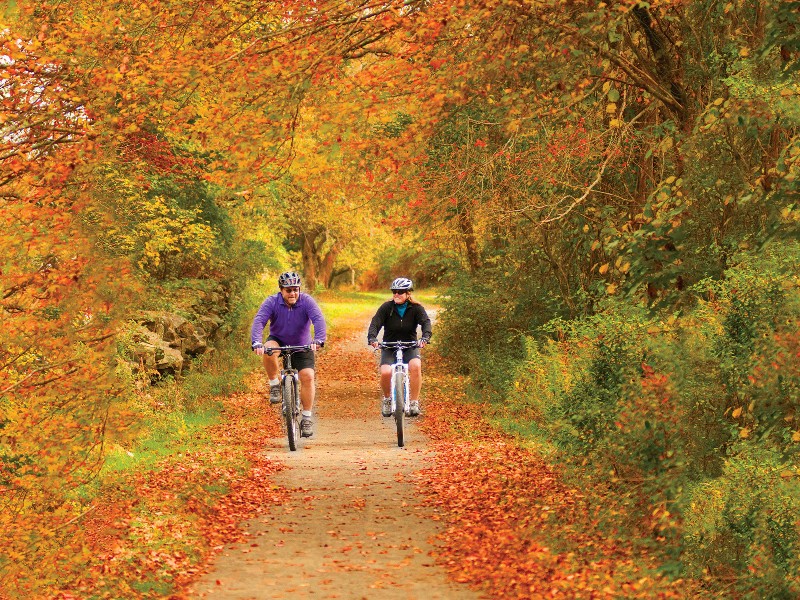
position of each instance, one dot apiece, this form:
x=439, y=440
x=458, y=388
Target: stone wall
x=165, y=342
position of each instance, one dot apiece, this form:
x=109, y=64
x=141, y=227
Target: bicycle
x=290, y=392
x=400, y=383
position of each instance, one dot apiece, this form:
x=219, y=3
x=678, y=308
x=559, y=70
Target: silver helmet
x=289, y=279
x=402, y=284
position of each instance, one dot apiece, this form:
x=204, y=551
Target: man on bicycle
x=399, y=318
x=290, y=315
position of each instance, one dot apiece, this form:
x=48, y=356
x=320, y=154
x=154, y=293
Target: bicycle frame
x=289, y=372
x=399, y=378
x=290, y=381
x=400, y=369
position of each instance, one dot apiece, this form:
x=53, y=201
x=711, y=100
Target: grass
x=528, y=433
x=171, y=415
x=340, y=307
x=172, y=433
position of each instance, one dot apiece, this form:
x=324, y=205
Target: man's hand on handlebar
x=261, y=349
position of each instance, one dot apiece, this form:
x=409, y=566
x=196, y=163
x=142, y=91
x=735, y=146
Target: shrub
x=170, y=242
x=477, y=336
x=599, y=352
x=671, y=416
x=744, y=525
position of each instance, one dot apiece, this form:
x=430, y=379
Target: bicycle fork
x=296, y=399
x=400, y=371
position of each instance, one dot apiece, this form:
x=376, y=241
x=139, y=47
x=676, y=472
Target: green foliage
x=487, y=315
x=783, y=34
x=169, y=241
x=167, y=234
x=478, y=334
x=736, y=189
x=396, y=126
x=608, y=345
x=743, y=526
x=198, y=197
x=674, y=416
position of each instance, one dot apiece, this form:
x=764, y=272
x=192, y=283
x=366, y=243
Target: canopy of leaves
x=574, y=154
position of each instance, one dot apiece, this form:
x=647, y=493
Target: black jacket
x=396, y=329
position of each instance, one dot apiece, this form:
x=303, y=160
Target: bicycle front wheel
x=291, y=414
x=399, y=408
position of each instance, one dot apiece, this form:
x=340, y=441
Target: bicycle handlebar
x=395, y=345
x=269, y=350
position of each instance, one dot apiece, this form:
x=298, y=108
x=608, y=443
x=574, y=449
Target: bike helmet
x=402, y=284
x=289, y=279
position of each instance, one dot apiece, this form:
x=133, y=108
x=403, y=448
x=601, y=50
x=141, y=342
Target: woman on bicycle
x=399, y=318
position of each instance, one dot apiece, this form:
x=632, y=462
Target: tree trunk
x=309, y=254
x=326, y=273
x=769, y=157
x=644, y=184
x=336, y=272
x=558, y=271
x=666, y=72
x=470, y=241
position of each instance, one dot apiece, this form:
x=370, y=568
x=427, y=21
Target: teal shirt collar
x=401, y=308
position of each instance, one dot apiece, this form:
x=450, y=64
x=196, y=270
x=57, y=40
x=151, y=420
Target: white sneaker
x=413, y=408
x=386, y=407
x=275, y=394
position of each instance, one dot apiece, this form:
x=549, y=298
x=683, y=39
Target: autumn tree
x=568, y=130
x=569, y=151
x=86, y=88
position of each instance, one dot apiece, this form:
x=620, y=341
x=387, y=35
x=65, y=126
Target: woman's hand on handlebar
x=374, y=345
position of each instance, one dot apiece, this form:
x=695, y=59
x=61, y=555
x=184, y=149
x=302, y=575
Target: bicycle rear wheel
x=291, y=414
x=399, y=408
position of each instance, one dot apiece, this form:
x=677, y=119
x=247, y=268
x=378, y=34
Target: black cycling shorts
x=387, y=355
x=300, y=360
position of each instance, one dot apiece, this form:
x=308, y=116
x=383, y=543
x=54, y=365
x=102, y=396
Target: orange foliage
x=58, y=392
x=513, y=528
x=164, y=525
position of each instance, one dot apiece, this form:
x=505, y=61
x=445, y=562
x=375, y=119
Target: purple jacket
x=290, y=325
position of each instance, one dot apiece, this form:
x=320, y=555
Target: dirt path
x=354, y=526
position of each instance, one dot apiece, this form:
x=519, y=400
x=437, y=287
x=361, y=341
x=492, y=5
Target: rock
x=165, y=325
x=165, y=341
x=209, y=324
x=145, y=356
x=171, y=362
x=194, y=342
x=155, y=354
x=224, y=331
